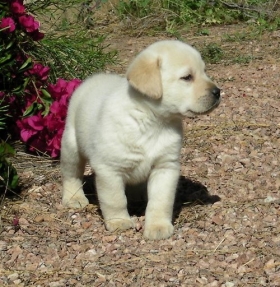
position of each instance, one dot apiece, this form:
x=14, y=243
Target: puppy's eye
x=187, y=78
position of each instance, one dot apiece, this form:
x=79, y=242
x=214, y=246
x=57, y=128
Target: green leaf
x=9, y=150
x=31, y=110
x=5, y=59
x=6, y=150
x=26, y=65
x=9, y=45
x=26, y=82
x=47, y=95
x=8, y=173
x=13, y=183
x=46, y=111
x=18, y=89
x=47, y=101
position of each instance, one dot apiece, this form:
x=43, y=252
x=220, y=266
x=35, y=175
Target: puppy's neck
x=154, y=106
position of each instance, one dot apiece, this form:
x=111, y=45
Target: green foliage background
x=70, y=48
x=202, y=12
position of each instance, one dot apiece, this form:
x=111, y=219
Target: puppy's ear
x=144, y=75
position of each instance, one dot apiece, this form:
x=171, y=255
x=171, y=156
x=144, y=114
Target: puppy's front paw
x=118, y=224
x=160, y=230
x=75, y=201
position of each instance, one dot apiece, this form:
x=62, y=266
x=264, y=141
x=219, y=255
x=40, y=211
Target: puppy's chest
x=153, y=147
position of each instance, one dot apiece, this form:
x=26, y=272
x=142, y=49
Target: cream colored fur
x=129, y=129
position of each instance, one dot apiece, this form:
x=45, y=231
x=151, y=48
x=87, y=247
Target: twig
x=219, y=245
x=248, y=262
x=239, y=7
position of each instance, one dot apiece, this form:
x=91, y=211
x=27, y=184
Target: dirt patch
x=227, y=212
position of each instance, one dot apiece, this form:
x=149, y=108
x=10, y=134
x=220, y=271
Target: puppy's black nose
x=216, y=92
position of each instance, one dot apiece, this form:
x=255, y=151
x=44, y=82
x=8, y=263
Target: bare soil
x=227, y=211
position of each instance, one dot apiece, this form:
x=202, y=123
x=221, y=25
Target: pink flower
x=38, y=143
x=40, y=71
x=63, y=87
x=57, y=108
x=36, y=122
x=54, y=123
x=54, y=126
x=17, y=7
x=44, y=133
x=29, y=23
x=36, y=35
x=30, y=126
x=72, y=85
x=8, y=23
x=54, y=144
x=58, y=89
x=30, y=98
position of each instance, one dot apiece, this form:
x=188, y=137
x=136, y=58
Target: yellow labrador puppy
x=129, y=129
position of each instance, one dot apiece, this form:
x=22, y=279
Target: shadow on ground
x=188, y=193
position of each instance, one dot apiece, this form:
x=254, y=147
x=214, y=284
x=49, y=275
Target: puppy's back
x=94, y=93
x=96, y=86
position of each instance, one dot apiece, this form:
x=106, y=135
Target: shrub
x=201, y=12
x=43, y=130
x=24, y=85
x=8, y=174
x=212, y=53
x=32, y=108
x=29, y=65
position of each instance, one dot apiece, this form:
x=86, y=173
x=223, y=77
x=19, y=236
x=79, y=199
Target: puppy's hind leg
x=112, y=200
x=72, y=169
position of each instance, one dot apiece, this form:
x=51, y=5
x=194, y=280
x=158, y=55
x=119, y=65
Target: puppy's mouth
x=209, y=110
x=213, y=107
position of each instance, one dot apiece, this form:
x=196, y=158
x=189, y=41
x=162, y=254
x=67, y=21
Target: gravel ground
x=226, y=214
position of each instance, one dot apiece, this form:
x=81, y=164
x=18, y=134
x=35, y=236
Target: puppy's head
x=173, y=74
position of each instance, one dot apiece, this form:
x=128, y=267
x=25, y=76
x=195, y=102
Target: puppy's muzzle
x=216, y=92
x=213, y=100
